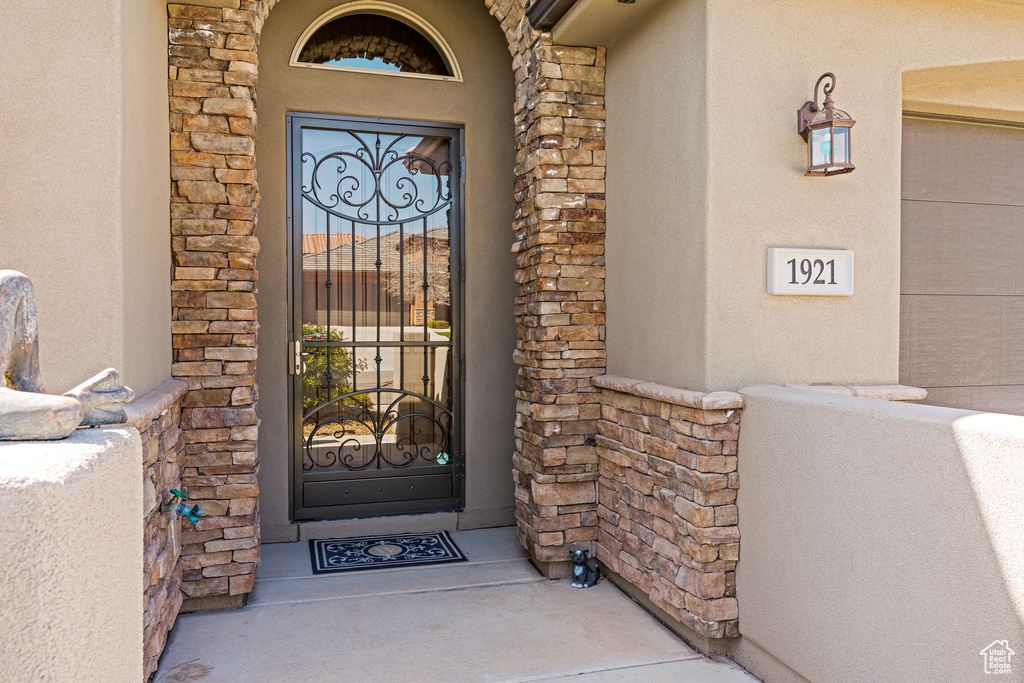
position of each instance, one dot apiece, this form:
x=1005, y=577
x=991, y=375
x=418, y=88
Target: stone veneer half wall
x=667, y=491
x=667, y=498
x=156, y=416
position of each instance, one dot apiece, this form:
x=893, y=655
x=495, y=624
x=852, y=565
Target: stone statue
x=26, y=411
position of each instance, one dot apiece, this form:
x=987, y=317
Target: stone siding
x=667, y=498
x=560, y=311
x=560, y=305
x=212, y=70
x=156, y=416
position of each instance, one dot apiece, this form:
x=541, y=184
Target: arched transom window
x=378, y=37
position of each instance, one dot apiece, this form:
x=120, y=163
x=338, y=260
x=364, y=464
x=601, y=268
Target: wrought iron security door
x=375, y=213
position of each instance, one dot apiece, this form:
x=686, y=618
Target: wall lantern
x=827, y=131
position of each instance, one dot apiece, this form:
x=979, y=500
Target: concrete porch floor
x=494, y=618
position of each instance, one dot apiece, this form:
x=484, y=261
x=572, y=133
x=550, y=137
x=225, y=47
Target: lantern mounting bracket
x=806, y=113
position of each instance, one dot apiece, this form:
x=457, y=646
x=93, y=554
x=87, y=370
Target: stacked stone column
x=212, y=70
x=560, y=306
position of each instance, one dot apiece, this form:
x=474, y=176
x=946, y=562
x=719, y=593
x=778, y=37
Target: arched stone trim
x=560, y=311
x=410, y=19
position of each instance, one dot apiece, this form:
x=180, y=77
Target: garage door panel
x=1011, y=330
x=956, y=341
x=962, y=163
x=962, y=249
x=994, y=399
x=962, y=264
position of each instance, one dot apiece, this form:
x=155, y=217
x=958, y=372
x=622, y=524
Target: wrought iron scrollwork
x=397, y=197
x=397, y=439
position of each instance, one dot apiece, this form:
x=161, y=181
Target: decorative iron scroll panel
x=376, y=240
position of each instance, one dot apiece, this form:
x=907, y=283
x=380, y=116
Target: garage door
x=962, y=275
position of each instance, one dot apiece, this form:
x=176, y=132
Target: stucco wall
x=658, y=162
x=765, y=58
x=83, y=183
x=145, y=169
x=71, y=544
x=918, y=505
x=714, y=187
x=484, y=104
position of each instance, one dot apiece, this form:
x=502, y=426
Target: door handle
x=295, y=357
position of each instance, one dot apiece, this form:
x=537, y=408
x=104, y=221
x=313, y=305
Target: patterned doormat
x=378, y=552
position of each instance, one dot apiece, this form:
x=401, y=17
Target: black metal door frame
x=295, y=122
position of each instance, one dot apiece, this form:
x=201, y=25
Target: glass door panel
x=376, y=237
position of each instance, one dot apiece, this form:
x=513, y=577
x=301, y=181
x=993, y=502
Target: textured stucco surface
x=706, y=172
x=71, y=543
x=483, y=102
x=759, y=197
x=880, y=540
x=83, y=178
x=145, y=215
x=658, y=165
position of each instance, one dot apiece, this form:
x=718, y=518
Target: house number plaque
x=810, y=272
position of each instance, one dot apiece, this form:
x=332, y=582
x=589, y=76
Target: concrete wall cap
x=615, y=383
x=890, y=392
x=906, y=409
x=885, y=392
x=41, y=463
x=714, y=400
x=143, y=410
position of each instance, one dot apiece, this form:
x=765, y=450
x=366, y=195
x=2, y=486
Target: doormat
x=379, y=552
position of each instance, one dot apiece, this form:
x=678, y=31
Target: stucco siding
x=83, y=210
x=880, y=541
x=72, y=548
x=706, y=173
x=764, y=59
x=145, y=163
x=658, y=160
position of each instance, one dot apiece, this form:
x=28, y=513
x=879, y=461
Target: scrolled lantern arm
x=806, y=113
x=829, y=87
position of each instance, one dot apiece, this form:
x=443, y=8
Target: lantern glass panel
x=841, y=144
x=821, y=146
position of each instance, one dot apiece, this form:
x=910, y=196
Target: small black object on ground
x=583, y=575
